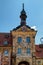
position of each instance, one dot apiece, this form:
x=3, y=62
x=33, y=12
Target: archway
x=23, y=63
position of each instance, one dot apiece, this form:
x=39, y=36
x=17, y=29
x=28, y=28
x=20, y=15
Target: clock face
x=23, y=28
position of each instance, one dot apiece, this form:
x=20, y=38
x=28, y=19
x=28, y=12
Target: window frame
x=39, y=62
x=5, y=42
x=28, y=51
x=19, y=51
x=28, y=40
x=6, y=52
x=19, y=40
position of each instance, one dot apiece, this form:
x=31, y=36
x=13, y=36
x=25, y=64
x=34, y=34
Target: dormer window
x=5, y=42
x=28, y=39
x=6, y=36
x=19, y=39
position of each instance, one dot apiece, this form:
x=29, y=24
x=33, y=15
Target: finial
x=23, y=6
x=23, y=16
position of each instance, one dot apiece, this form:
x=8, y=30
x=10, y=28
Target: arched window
x=6, y=53
x=19, y=39
x=28, y=39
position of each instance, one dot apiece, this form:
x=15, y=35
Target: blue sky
x=10, y=12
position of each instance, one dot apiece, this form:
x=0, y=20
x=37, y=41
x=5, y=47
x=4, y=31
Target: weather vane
x=23, y=6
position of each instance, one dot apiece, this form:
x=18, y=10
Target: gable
x=24, y=28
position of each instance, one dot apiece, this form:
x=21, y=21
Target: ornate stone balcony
x=23, y=55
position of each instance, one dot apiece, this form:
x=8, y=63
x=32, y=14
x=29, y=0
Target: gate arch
x=23, y=63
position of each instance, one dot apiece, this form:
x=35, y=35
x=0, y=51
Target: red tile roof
x=39, y=51
x=5, y=37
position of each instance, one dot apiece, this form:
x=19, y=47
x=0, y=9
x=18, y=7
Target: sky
x=10, y=12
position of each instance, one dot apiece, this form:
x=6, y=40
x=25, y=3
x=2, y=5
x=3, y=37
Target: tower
x=23, y=42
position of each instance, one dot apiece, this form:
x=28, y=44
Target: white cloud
x=34, y=27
